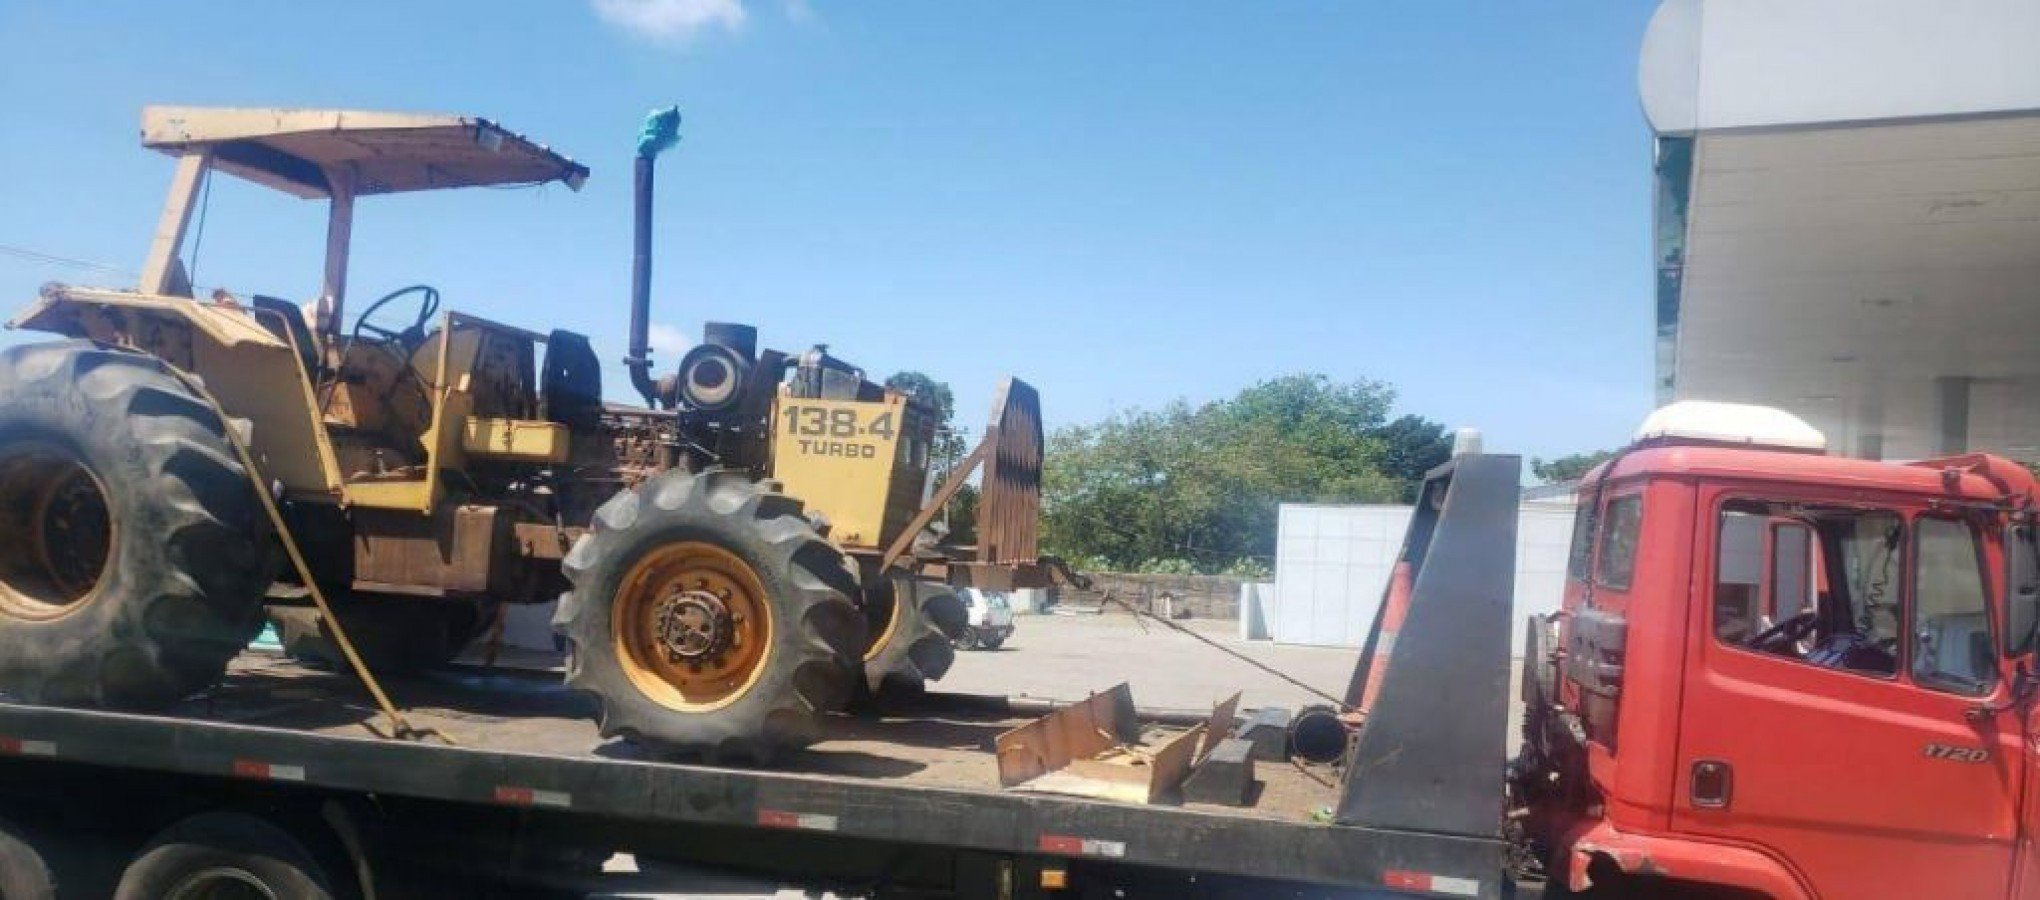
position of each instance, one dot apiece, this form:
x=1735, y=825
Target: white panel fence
x=1332, y=563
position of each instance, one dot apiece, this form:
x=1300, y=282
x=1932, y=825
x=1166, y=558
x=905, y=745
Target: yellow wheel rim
x=692, y=626
x=56, y=533
x=881, y=636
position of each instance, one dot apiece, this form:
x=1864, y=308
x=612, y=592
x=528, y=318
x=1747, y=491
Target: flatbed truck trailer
x=518, y=795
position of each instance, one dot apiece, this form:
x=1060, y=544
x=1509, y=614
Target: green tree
x=1568, y=468
x=1410, y=447
x=1203, y=483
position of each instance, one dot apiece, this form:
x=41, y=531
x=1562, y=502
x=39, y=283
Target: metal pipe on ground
x=1035, y=706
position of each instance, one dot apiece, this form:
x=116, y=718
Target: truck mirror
x=2022, y=588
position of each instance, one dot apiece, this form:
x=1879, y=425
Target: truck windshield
x=1952, y=649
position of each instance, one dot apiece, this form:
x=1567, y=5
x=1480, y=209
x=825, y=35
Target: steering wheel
x=410, y=336
x=1786, y=633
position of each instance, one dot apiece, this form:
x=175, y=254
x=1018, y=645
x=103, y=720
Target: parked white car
x=990, y=622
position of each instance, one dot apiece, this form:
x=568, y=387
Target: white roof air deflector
x=1703, y=421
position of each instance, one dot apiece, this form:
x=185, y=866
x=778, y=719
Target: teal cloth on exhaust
x=661, y=131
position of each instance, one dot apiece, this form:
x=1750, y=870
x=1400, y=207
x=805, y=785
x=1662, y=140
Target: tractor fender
x=1683, y=858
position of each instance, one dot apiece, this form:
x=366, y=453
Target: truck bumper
x=1686, y=859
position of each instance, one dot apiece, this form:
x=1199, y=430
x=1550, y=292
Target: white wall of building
x=1332, y=564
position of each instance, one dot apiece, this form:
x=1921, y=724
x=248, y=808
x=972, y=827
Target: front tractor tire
x=913, y=626
x=707, y=616
x=133, y=548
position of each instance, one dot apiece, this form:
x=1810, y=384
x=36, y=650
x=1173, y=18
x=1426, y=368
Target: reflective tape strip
x=1067, y=845
x=524, y=796
x=249, y=768
x=1425, y=881
x=19, y=747
x=779, y=818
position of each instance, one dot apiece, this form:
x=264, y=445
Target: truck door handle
x=1712, y=783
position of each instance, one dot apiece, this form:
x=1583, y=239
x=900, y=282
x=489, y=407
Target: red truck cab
x=1785, y=674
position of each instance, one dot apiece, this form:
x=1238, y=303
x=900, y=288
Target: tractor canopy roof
x=302, y=151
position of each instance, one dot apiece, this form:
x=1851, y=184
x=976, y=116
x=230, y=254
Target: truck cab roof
x=1981, y=476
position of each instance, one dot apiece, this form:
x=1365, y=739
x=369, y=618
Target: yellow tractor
x=733, y=558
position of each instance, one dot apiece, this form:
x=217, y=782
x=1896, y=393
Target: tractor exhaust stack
x=662, y=130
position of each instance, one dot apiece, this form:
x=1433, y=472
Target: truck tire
x=707, y=616
x=912, y=624
x=221, y=850
x=25, y=874
x=967, y=639
x=392, y=636
x=133, y=550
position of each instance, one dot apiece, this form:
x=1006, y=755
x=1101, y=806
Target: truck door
x=1840, y=737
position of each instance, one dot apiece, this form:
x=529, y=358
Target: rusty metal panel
x=456, y=551
x=1079, y=731
x=541, y=540
x=991, y=576
x=1009, y=507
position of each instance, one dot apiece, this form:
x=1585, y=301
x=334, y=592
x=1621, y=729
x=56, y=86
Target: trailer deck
x=518, y=740
x=926, y=743
x=1415, y=810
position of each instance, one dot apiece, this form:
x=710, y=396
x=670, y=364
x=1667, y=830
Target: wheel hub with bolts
x=691, y=626
x=695, y=626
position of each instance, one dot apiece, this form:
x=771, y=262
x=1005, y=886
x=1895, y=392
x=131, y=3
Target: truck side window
x=1816, y=583
x=1952, y=647
x=1580, y=563
x=1618, y=541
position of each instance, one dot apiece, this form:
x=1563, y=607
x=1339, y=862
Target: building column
x=1952, y=391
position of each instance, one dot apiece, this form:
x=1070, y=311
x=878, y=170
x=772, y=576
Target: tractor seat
x=570, y=390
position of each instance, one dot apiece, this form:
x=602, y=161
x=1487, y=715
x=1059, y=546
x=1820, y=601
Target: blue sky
x=1124, y=203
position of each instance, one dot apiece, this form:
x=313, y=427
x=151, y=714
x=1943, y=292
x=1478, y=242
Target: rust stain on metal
x=1630, y=861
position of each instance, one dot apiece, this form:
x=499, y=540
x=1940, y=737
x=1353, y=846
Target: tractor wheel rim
x=692, y=626
x=883, y=636
x=56, y=532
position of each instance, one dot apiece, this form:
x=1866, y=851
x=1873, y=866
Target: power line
x=54, y=259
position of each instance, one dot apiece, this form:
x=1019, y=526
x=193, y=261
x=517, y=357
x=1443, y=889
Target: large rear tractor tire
x=913, y=625
x=392, y=636
x=133, y=549
x=707, y=616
